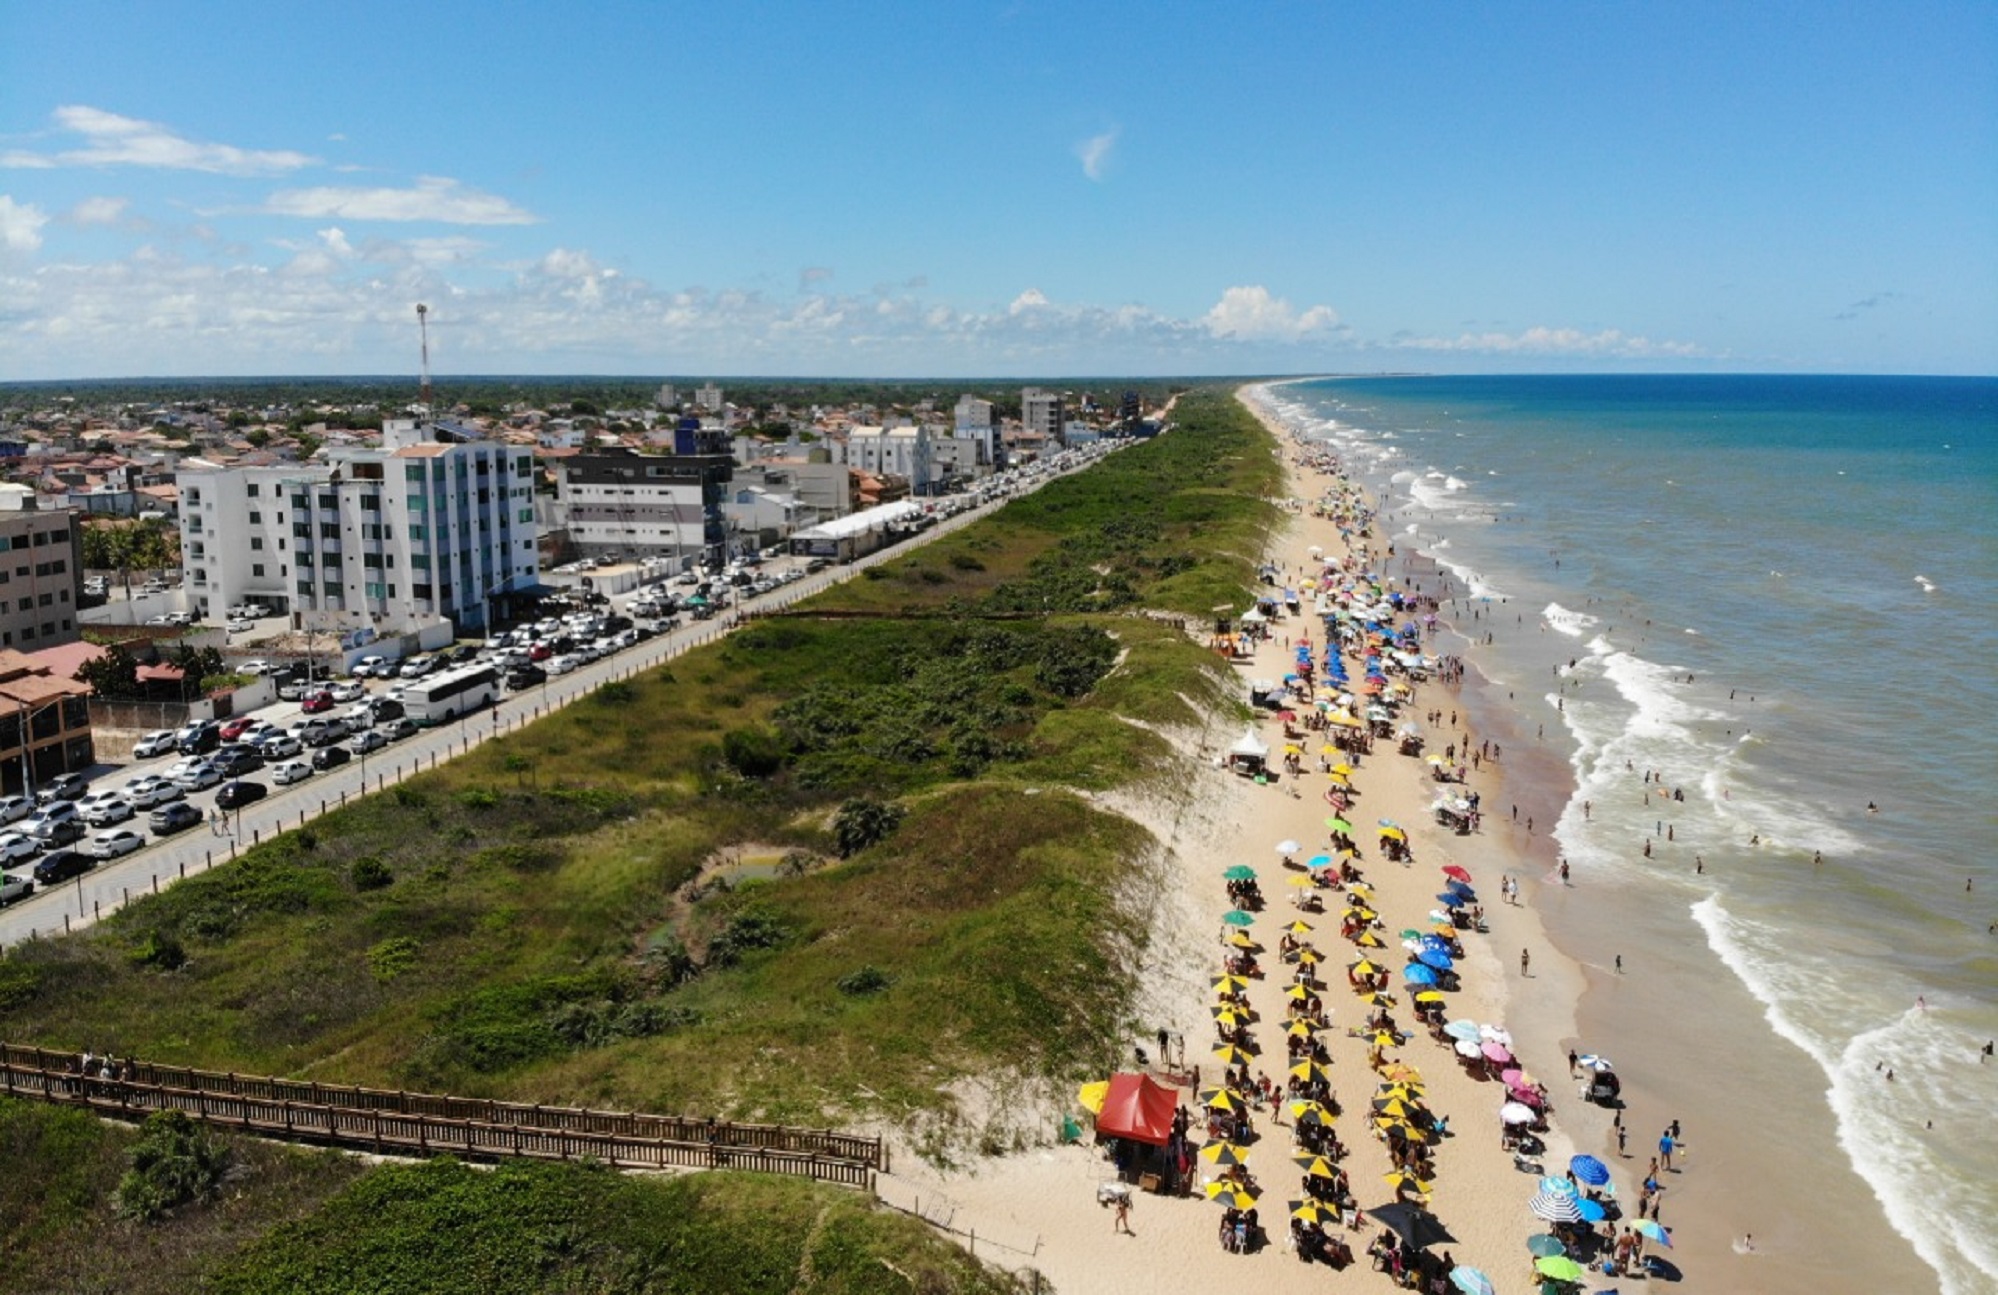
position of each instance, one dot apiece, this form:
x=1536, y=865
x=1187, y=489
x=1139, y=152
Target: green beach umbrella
x=1339, y=825
x=1236, y=917
x=1240, y=872
x=1411, y=934
x=1544, y=1246
x=1559, y=1267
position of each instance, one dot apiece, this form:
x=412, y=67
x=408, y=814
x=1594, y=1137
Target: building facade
x=622, y=504
x=390, y=539
x=1042, y=412
x=41, y=572
x=893, y=452
x=44, y=725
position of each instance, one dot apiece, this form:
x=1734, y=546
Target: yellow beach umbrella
x=1311, y=1113
x=1403, y=1073
x=1091, y=1096
x=1382, y=1039
x=1297, y=993
x=1293, y=750
x=1364, y=968
x=1231, y=1055
x=1308, y=1072
x=1361, y=889
x=1301, y=881
x=1242, y=940
x=1393, y=1106
x=1310, y=957
x=1343, y=769
x=1221, y=1100
x=1315, y=1212
x=1429, y=996
x=1301, y=1029
x=1231, y=1195
x=1339, y=780
x=1329, y=749
x=1400, y=1179
x=1228, y=1018
x=1224, y=1154
x=1368, y=940
x=1299, y=927
x=1393, y=834
x=1316, y=1167
x=1231, y=984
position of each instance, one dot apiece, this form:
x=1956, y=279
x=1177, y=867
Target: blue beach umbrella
x=1592, y=1212
x=1557, y=1185
x=1461, y=888
x=1435, y=958
x=1590, y=1170
x=1318, y=861
x=1471, y=1281
x=1463, y=1031
x=1653, y=1231
x=1449, y=900
x=1417, y=974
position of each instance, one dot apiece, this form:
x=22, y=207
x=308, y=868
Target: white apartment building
x=708, y=397
x=974, y=423
x=626, y=506
x=892, y=451
x=390, y=539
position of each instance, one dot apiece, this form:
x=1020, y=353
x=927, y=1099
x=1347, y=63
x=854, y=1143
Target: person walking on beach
x=1665, y=1145
x=1525, y=961
x=1622, y=1136
x=1123, y=1224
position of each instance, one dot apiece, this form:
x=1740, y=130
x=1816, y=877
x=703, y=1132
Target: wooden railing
x=429, y=1124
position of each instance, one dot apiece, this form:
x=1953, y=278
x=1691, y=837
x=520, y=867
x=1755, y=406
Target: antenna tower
x=423, y=328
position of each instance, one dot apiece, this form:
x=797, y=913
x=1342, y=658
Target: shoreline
x=1752, y=1102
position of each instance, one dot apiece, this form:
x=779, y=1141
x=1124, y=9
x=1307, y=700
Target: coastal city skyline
x=1002, y=190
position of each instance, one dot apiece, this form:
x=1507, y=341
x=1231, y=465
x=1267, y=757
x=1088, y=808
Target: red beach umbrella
x=1457, y=873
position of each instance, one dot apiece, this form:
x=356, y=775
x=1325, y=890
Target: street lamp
x=26, y=719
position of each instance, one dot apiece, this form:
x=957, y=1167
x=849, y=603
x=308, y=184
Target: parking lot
x=164, y=858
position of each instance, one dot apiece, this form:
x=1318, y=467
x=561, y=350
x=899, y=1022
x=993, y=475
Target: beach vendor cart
x=1455, y=813
x=1411, y=739
x=1250, y=756
x=1135, y=1124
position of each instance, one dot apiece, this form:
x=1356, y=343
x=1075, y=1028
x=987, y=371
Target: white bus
x=444, y=697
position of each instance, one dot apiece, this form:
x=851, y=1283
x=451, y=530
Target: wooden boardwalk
x=404, y=1123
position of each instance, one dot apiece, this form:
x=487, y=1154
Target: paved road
x=74, y=904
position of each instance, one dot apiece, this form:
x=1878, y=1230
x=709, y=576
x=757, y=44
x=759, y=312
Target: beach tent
x=1139, y=1108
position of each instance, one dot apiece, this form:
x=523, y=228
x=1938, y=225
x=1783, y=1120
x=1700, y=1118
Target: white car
x=15, y=808
x=16, y=848
x=348, y=691
x=240, y=626
x=290, y=771
x=144, y=793
x=197, y=775
x=163, y=741
x=279, y=745
x=371, y=665
x=255, y=665
x=14, y=888
x=111, y=844
x=103, y=808
x=257, y=732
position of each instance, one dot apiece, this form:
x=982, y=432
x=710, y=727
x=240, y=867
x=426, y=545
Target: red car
x=235, y=728
x=317, y=703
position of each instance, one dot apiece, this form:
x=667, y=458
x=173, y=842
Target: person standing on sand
x=1123, y=1217
x=1525, y=961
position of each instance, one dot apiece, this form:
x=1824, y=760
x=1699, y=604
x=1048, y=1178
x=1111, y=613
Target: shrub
x=160, y=950
x=748, y=930
x=862, y=822
x=752, y=752
x=392, y=957
x=618, y=692
x=370, y=873
x=966, y=562
x=173, y=1164
x=479, y=797
x=869, y=979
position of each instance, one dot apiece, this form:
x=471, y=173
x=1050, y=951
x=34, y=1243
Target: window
x=256, y=568
x=373, y=560
x=413, y=472
x=27, y=632
x=305, y=558
x=48, y=600
x=419, y=591
x=331, y=502
x=371, y=503
x=329, y=530
x=256, y=518
x=61, y=535
x=421, y=561
x=256, y=543
x=305, y=587
x=253, y=490
x=417, y=530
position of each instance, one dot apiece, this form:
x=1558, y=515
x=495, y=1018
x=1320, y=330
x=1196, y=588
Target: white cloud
x=98, y=211
x=1252, y=314
x=1608, y=343
x=1095, y=152
x=434, y=198
x=20, y=225
x=112, y=140
x=1031, y=299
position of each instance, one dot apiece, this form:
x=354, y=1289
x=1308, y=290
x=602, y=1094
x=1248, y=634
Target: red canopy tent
x=1138, y=1108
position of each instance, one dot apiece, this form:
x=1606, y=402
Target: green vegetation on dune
x=647, y=899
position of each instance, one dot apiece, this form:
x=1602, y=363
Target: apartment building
x=1042, y=414
x=41, y=571
x=624, y=505
x=389, y=539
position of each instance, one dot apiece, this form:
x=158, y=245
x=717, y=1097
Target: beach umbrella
x=1417, y=974
x=1403, y=1073
x=1309, y=956
x=1471, y=1281
x=1302, y=881
x=1361, y=889
x=1496, y=1052
x=1309, y=1072
x=1461, y=888
x=1413, y=1224
x=1220, y=1099
x=1592, y=1211
x=1231, y=1195
x=1236, y=917
x=1228, y=1018
x=1435, y=958
x=1393, y=834
x=1091, y=1096
x=1240, y=872
x=1230, y=1055
x=1314, y=1212
x=1315, y=1166
x=1514, y=1113
x=1469, y=1049
x=1541, y=1245
x=1382, y=1000
x=1224, y=1154
x=1495, y=1034
x=1590, y=1170
x=1411, y=934
x=1430, y=996
x=1297, y=993
x=1557, y=1185
x=1317, y=861
x=1555, y=1207
x=1312, y=1113
x=1367, y=940
x=1398, y=1179
x=1457, y=872
x=1339, y=825
x=1652, y=1230
x=1383, y=1039
x=1364, y=968
x=1450, y=899
x=1230, y=984
x=1560, y=1268
x=1301, y=1029
x=1287, y=847
x=1298, y=927
x=1243, y=940
x=1590, y=1061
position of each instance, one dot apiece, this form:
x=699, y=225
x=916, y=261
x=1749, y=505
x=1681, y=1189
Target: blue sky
x=1015, y=188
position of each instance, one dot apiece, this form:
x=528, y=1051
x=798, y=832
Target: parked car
x=239, y=626
x=234, y=762
x=103, y=808
x=525, y=676
x=64, y=786
x=156, y=743
x=291, y=771
x=199, y=737
x=347, y=691
x=330, y=757
x=317, y=703
x=197, y=775
x=60, y=865
x=367, y=740
x=111, y=843
x=16, y=848
x=371, y=666
x=280, y=746
x=175, y=817
x=235, y=728
x=13, y=889
x=15, y=808
x=240, y=792
x=397, y=729
x=255, y=734
x=385, y=708
x=144, y=793
x=55, y=831
x=463, y=654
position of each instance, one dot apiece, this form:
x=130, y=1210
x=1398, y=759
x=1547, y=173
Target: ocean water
x=1778, y=594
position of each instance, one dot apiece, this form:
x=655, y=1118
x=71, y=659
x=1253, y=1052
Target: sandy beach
x=1040, y=1209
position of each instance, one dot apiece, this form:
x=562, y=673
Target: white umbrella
x=1514, y=1113
x=1287, y=847
x=1468, y=1048
x=1555, y=1207
x=1496, y=1033
x=1594, y=1062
